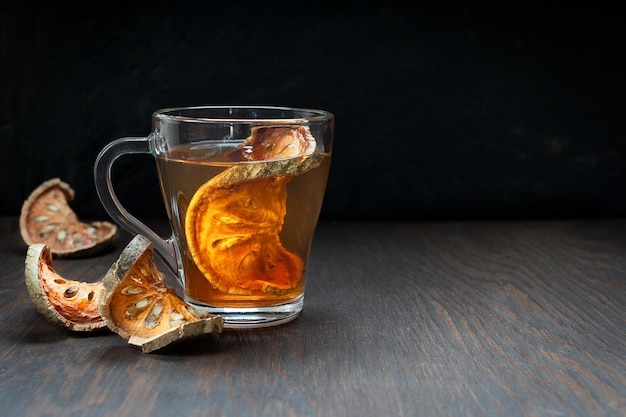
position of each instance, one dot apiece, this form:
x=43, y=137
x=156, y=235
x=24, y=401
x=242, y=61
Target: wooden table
x=401, y=319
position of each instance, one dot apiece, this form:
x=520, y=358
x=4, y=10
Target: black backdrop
x=456, y=110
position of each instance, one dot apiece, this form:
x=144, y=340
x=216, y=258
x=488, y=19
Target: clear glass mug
x=243, y=188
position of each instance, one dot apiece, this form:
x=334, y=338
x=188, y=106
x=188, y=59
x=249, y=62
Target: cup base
x=255, y=317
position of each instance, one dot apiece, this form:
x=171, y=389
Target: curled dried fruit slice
x=72, y=304
x=47, y=218
x=234, y=220
x=136, y=303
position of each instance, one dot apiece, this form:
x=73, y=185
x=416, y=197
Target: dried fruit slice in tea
x=72, y=304
x=234, y=220
x=136, y=303
x=46, y=217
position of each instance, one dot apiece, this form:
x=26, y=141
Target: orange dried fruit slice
x=234, y=220
x=136, y=303
x=46, y=217
x=63, y=302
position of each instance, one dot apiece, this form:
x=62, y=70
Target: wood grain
x=401, y=319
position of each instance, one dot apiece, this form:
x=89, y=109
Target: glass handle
x=104, y=187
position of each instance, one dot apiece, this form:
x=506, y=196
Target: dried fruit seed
x=52, y=207
x=133, y=310
x=47, y=230
x=71, y=292
x=61, y=236
x=77, y=239
x=133, y=290
x=154, y=316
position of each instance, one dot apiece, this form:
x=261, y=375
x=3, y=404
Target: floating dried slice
x=136, y=303
x=72, y=304
x=234, y=220
x=291, y=150
x=47, y=218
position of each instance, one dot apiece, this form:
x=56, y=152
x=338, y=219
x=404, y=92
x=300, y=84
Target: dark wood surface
x=401, y=319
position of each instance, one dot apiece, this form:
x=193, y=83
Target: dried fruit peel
x=234, y=220
x=67, y=303
x=46, y=217
x=136, y=303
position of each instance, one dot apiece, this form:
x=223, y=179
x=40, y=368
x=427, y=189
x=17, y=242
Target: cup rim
x=165, y=114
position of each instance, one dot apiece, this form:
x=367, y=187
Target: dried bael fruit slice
x=234, y=220
x=46, y=217
x=72, y=304
x=136, y=303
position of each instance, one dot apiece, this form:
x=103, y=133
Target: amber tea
x=185, y=169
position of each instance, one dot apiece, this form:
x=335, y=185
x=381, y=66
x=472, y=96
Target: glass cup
x=243, y=188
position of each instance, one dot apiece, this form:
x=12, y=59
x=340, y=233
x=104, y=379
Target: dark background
x=452, y=110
